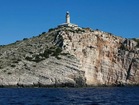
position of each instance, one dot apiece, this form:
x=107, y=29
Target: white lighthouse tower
x=67, y=23
x=67, y=17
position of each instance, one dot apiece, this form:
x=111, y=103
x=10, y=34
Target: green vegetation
x=13, y=65
x=37, y=58
x=4, y=71
x=1, y=67
x=28, y=58
x=52, y=51
x=57, y=51
x=46, y=53
x=9, y=73
x=51, y=29
x=65, y=54
x=43, y=32
x=25, y=39
x=50, y=37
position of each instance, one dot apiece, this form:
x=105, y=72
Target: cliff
x=68, y=56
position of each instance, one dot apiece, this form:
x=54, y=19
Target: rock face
x=68, y=56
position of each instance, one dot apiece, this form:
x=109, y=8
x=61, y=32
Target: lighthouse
x=67, y=17
x=67, y=23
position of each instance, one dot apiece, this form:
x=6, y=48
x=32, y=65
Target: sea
x=70, y=96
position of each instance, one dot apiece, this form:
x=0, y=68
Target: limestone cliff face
x=67, y=56
x=105, y=58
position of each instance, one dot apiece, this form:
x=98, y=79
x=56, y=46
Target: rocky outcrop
x=68, y=56
x=38, y=62
x=105, y=58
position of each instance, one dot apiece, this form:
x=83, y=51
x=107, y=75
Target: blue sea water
x=70, y=96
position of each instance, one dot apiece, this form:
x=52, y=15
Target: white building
x=67, y=23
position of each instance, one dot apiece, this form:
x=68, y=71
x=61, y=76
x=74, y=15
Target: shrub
x=43, y=32
x=47, y=52
x=13, y=65
x=28, y=58
x=51, y=29
x=65, y=54
x=38, y=59
x=25, y=39
x=15, y=61
x=9, y=73
x=1, y=67
x=54, y=51
x=17, y=41
x=57, y=52
x=4, y=71
x=58, y=58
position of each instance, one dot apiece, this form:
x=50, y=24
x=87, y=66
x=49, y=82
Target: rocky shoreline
x=66, y=86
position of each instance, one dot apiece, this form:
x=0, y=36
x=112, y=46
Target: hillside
x=68, y=56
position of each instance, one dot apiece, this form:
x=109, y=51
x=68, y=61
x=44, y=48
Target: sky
x=27, y=18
